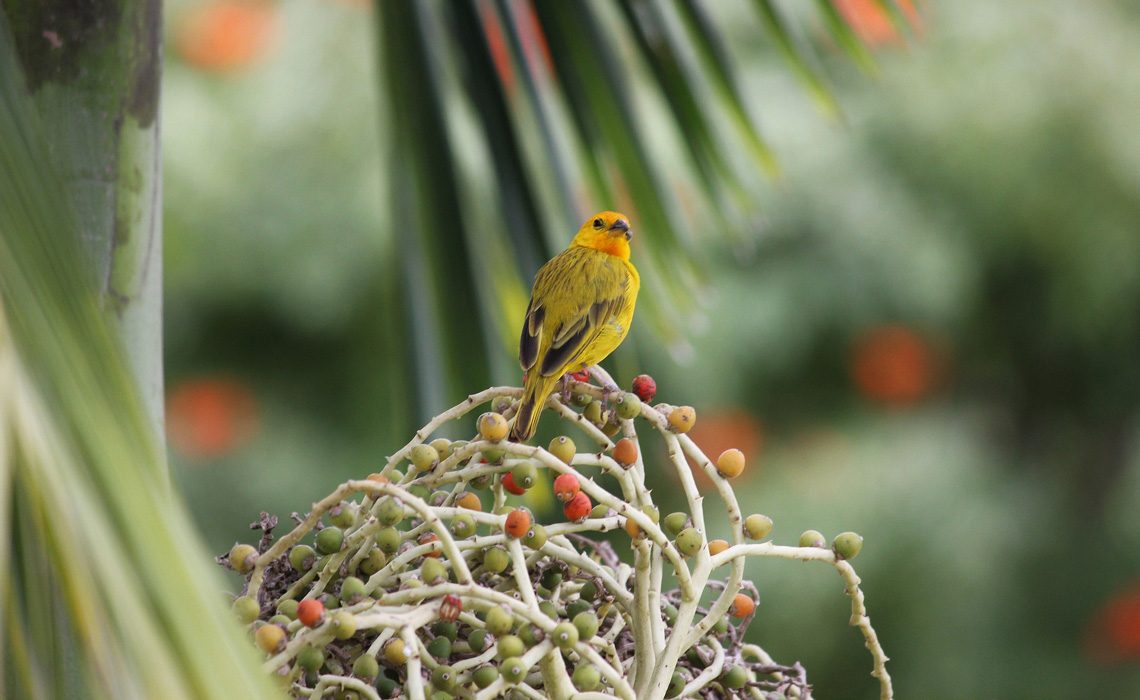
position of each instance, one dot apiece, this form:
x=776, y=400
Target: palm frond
x=510, y=121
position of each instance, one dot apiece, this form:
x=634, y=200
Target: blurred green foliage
x=981, y=195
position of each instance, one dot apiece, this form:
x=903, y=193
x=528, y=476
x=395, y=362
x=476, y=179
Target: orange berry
x=311, y=612
x=625, y=452
x=492, y=426
x=430, y=537
x=469, y=500
x=578, y=508
x=730, y=464
x=632, y=528
x=682, y=419
x=566, y=486
x=717, y=546
x=271, y=638
x=378, y=478
x=517, y=523
x=742, y=606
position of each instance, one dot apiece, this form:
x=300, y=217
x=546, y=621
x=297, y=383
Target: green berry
x=734, y=677
x=443, y=677
x=388, y=540
x=547, y=608
x=676, y=685
x=563, y=448
x=438, y=497
x=525, y=474
x=721, y=625
x=675, y=522
x=424, y=457
x=531, y=635
x=311, y=659
x=242, y=558
x=586, y=678
x=510, y=645
x=246, y=609
x=442, y=446
x=440, y=647
x=302, y=557
x=670, y=611
x=535, y=536
x=564, y=636
x=478, y=640
x=389, y=511
x=343, y=514
x=433, y=571
x=288, y=608
x=575, y=608
x=366, y=667
x=463, y=526
x=419, y=491
x=587, y=624
x=628, y=406
x=812, y=538
x=375, y=561
x=386, y=687
x=600, y=511
x=482, y=481
x=513, y=670
x=689, y=541
x=330, y=540
x=496, y=559
x=551, y=578
x=757, y=526
x=351, y=590
x=343, y=625
x=485, y=676
x=443, y=628
x=593, y=413
x=588, y=591
x=847, y=545
x=494, y=454
x=499, y=621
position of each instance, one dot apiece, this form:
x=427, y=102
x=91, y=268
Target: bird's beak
x=622, y=226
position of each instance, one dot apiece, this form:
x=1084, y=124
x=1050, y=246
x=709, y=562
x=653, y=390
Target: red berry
x=582, y=376
x=578, y=508
x=644, y=387
x=311, y=612
x=510, y=485
x=566, y=486
x=450, y=608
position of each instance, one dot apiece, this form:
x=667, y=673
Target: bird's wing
x=575, y=295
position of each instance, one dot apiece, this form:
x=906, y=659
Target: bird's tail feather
x=530, y=409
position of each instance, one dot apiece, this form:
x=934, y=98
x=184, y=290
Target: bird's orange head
x=608, y=232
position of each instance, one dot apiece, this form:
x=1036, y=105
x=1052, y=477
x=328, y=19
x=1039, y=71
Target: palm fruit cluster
x=432, y=578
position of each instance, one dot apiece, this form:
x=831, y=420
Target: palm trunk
x=92, y=68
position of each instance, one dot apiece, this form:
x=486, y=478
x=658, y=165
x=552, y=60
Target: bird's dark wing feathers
x=568, y=334
x=574, y=338
x=528, y=343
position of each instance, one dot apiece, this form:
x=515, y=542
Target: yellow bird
x=580, y=310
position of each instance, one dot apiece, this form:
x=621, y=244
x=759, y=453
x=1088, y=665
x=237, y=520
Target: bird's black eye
x=598, y=223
